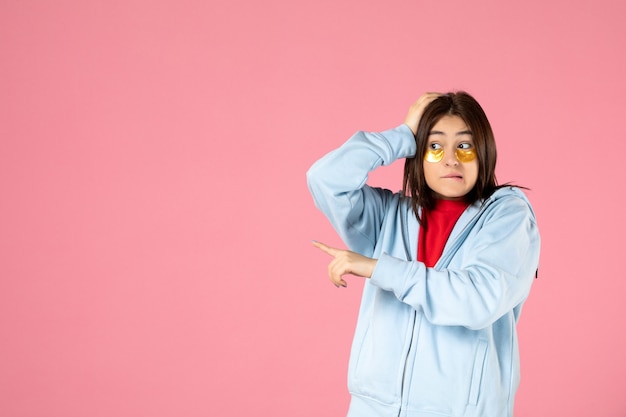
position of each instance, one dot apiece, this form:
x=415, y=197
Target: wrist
x=371, y=266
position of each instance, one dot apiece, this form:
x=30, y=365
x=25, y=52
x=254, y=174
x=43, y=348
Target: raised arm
x=337, y=183
x=338, y=180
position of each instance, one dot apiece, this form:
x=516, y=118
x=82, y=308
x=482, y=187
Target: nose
x=449, y=158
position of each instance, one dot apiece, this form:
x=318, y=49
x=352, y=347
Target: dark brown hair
x=467, y=108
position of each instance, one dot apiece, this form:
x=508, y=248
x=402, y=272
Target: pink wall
x=155, y=225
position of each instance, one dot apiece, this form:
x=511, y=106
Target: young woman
x=449, y=263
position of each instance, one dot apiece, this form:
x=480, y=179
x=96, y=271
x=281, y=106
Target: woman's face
x=450, y=161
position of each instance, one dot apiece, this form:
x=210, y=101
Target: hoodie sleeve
x=337, y=183
x=496, y=271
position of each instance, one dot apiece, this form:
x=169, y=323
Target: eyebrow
x=463, y=132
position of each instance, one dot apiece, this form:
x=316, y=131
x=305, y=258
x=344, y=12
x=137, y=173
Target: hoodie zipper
x=449, y=253
x=407, y=249
x=458, y=241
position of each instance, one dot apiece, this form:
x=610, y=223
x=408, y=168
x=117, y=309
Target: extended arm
x=493, y=276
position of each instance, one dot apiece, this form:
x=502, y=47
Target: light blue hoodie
x=429, y=342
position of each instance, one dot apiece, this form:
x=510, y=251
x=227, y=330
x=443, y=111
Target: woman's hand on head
x=417, y=109
x=346, y=262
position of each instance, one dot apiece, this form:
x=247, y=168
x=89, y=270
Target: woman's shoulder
x=506, y=192
x=509, y=199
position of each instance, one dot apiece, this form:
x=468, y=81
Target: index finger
x=324, y=248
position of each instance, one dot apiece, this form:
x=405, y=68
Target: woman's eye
x=434, y=146
x=465, y=146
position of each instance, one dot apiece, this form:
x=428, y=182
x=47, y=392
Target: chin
x=450, y=197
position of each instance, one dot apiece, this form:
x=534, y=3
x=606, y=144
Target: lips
x=454, y=176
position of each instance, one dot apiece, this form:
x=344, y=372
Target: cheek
x=472, y=171
x=427, y=168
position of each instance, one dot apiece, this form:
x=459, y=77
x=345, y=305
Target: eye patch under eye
x=463, y=155
x=433, y=155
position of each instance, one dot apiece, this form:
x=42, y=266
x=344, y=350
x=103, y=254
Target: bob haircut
x=467, y=108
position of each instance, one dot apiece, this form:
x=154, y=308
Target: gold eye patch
x=463, y=155
x=433, y=155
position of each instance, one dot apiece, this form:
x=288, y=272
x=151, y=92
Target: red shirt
x=435, y=231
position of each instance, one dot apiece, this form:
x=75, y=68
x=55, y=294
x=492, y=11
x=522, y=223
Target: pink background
x=155, y=224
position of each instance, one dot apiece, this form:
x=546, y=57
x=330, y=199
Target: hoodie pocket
x=477, y=371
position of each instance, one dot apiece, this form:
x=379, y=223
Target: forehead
x=450, y=125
